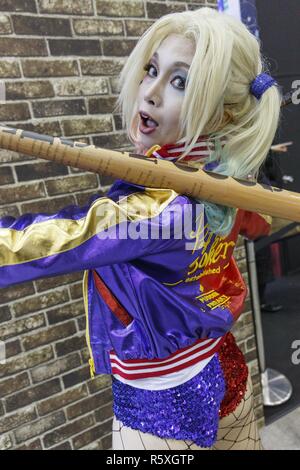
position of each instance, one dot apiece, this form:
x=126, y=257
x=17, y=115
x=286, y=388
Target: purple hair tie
x=260, y=84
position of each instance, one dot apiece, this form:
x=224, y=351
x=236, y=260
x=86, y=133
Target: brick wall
x=244, y=333
x=60, y=60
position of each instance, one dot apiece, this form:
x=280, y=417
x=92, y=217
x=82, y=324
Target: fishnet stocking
x=237, y=431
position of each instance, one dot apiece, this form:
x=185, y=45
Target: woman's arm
x=254, y=225
x=73, y=239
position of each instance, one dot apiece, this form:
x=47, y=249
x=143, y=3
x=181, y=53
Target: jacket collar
x=200, y=151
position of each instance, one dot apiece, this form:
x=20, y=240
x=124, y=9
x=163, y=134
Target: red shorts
x=235, y=372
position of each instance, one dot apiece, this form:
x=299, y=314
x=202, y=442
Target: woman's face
x=162, y=90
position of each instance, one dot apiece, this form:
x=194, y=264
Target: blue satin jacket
x=145, y=296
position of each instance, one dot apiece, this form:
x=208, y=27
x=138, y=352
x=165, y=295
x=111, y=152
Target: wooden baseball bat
x=153, y=172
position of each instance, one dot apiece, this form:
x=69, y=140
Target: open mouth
x=147, y=121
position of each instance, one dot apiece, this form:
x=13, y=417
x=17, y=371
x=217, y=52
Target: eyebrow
x=176, y=64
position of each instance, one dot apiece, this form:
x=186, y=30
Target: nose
x=153, y=94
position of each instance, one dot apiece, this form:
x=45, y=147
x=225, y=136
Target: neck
x=198, y=155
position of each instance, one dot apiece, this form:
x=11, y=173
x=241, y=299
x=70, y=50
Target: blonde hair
x=217, y=100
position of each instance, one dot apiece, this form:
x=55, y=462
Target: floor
x=284, y=433
x=280, y=330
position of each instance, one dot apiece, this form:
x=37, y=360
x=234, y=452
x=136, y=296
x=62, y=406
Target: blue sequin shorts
x=186, y=412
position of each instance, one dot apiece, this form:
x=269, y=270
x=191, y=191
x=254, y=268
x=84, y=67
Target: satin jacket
x=145, y=296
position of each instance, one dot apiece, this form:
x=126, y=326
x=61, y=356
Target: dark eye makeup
x=148, y=66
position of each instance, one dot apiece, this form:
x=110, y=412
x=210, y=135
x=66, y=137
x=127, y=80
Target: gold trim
x=87, y=331
x=56, y=236
x=152, y=149
x=172, y=283
x=267, y=218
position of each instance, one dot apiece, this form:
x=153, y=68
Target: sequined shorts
x=188, y=411
x=192, y=410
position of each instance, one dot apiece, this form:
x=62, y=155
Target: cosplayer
x=159, y=315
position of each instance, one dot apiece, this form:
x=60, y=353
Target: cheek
x=174, y=107
x=173, y=115
x=139, y=93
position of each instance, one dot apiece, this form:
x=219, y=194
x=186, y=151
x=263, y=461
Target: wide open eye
x=182, y=80
x=148, y=66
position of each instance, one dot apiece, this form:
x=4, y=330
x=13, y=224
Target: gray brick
x=59, y=47
x=18, y=5
x=39, y=26
x=122, y=9
x=65, y=7
x=39, y=427
x=23, y=47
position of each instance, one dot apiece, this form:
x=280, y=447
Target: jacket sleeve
x=254, y=225
x=103, y=232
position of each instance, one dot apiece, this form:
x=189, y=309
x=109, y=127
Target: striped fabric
x=190, y=359
x=202, y=148
x=134, y=369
